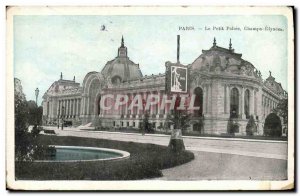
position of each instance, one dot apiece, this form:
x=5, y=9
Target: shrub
x=49, y=131
x=232, y=127
x=251, y=126
x=272, y=125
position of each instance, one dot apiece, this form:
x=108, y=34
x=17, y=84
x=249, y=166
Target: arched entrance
x=272, y=126
x=97, y=104
x=198, y=101
x=92, y=92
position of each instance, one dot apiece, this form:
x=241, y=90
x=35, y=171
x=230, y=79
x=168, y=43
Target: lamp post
x=36, y=97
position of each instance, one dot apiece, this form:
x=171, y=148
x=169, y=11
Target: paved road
x=215, y=158
x=216, y=166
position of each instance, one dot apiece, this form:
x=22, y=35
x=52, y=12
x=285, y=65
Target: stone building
x=227, y=88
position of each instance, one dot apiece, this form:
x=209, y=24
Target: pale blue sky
x=44, y=46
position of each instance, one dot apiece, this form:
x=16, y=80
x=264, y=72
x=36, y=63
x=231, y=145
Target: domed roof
x=121, y=68
x=218, y=59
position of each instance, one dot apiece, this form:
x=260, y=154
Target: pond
x=81, y=153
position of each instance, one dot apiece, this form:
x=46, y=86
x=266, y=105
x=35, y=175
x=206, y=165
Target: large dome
x=121, y=68
x=218, y=59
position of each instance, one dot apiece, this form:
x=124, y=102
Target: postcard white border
x=145, y=184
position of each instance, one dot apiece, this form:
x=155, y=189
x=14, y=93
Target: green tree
x=282, y=110
x=22, y=139
x=35, y=113
x=272, y=126
x=26, y=143
x=180, y=119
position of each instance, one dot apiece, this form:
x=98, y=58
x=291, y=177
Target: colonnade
x=268, y=104
x=69, y=108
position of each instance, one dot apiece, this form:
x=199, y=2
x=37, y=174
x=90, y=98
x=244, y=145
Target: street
x=215, y=158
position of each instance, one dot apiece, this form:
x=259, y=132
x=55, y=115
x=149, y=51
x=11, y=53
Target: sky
x=45, y=46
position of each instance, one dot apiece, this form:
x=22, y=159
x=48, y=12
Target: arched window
x=116, y=80
x=246, y=103
x=234, y=103
x=198, y=101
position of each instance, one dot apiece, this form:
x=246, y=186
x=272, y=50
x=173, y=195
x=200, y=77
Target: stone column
x=255, y=104
x=70, y=108
x=243, y=104
x=252, y=98
x=57, y=108
x=82, y=105
x=61, y=106
x=159, y=102
x=66, y=108
x=76, y=111
x=88, y=105
x=138, y=111
x=151, y=106
x=85, y=108
x=144, y=97
x=129, y=110
x=266, y=107
x=74, y=108
x=209, y=97
x=228, y=100
x=50, y=108
x=126, y=106
x=269, y=105
x=204, y=99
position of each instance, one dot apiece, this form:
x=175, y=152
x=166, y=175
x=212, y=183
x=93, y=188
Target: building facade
x=227, y=88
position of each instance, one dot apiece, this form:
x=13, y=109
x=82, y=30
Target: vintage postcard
x=150, y=98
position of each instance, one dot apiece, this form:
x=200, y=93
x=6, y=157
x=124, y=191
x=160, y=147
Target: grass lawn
x=146, y=161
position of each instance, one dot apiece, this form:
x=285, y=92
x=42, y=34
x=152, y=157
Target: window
x=198, y=101
x=234, y=103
